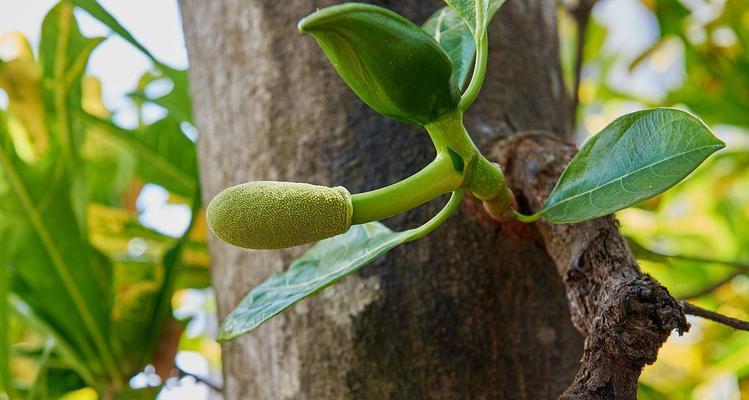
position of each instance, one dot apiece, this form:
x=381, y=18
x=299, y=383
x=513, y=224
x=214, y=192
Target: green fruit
x=274, y=215
x=394, y=66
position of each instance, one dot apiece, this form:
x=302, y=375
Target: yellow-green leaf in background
x=20, y=78
x=55, y=271
x=63, y=55
x=165, y=155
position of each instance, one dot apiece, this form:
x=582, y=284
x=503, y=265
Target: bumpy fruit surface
x=274, y=215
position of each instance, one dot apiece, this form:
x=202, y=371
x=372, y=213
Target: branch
x=710, y=288
x=652, y=255
x=581, y=14
x=182, y=373
x=734, y=323
x=625, y=315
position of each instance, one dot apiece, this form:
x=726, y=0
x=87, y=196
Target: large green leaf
x=476, y=13
x=55, y=271
x=636, y=157
x=451, y=32
x=6, y=385
x=63, y=55
x=322, y=265
x=97, y=11
x=65, y=352
x=394, y=66
x=176, y=101
x=165, y=156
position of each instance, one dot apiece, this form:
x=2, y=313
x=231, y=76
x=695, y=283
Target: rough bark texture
x=625, y=315
x=474, y=311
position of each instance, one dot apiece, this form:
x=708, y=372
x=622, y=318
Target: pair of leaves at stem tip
x=397, y=68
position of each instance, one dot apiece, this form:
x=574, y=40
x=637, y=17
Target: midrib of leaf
x=98, y=12
x=479, y=20
x=438, y=26
x=61, y=92
x=647, y=143
x=152, y=157
x=59, y=264
x=621, y=178
x=64, y=349
x=80, y=63
x=396, y=239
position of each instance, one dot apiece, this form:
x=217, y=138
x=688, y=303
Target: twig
x=734, y=323
x=581, y=14
x=710, y=288
x=740, y=266
x=653, y=255
x=182, y=373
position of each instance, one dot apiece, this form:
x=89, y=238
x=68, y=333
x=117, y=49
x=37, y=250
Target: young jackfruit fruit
x=274, y=215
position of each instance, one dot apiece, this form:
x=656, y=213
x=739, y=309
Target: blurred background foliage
x=87, y=288
x=101, y=303
x=694, y=55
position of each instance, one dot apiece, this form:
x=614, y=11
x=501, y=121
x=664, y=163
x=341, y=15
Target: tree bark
x=476, y=310
x=625, y=315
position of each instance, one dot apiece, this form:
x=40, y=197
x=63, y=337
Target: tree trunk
x=476, y=310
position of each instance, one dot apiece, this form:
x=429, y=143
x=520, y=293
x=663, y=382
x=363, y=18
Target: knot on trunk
x=635, y=320
x=631, y=324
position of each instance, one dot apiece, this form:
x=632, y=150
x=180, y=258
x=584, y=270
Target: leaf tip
x=318, y=18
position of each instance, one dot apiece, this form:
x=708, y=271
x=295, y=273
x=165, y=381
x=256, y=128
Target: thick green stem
x=458, y=164
x=437, y=178
x=484, y=179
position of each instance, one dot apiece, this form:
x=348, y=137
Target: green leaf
x=451, y=32
x=63, y=55
x=165, y=156
x=636, y=157
x=56, y=272
x=100, y=13
x=176, y=101
x=394, y=66
x=322, y=265
x=166, y=139
x=476, y=13
x=67, y=354
x=20, y=80
x=6, y=386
